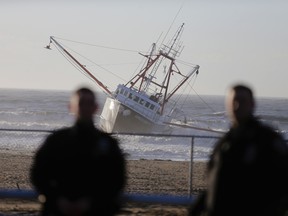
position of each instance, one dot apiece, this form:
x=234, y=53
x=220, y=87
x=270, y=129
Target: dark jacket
x=77, y=163
x=247, y=174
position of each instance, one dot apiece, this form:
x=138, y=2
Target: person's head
x=239, y=104
x=83, y=104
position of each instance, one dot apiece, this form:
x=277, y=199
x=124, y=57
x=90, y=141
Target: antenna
x=173, y=22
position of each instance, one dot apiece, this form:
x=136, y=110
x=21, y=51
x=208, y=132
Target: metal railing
x=139, y=198
x=17, y=138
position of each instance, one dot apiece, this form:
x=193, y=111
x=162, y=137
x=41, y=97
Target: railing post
x=191, y=167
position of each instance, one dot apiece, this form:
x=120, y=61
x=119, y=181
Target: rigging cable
x=77, y=67
x=203, y=100
x=96, y=64
x=191, y=88
x=105, y=47
x=172, y=22
x=180, y=95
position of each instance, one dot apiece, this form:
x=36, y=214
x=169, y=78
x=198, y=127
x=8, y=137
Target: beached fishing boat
x=142, y=104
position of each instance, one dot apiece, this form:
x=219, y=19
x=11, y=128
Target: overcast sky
x=232, y=41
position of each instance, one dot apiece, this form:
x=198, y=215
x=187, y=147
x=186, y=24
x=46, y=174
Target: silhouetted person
x=79, y=170
x=247, y=171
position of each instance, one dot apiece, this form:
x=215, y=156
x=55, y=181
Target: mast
x=147, y=77
x=56, y=43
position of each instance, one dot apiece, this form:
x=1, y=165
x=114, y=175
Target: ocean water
x=48, y=110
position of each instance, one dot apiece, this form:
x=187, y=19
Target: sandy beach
x=147, y=177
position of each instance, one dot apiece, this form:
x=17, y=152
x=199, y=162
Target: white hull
x=119, y=118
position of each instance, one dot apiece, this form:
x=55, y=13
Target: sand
x=144, y=177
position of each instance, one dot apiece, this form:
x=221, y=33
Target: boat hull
x=122, y=119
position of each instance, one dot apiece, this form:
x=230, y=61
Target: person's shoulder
x=60, y=132
x=270, y=133
x=57, y=135
x=103, y=133
x=107, y=142
x=268, y=130
x=53, y=141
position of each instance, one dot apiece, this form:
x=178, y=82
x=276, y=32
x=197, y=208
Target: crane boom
x=52, y=39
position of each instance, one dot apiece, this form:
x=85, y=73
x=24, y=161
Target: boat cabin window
x=130, y=96
x=152, y=106
x=142, y=102
x=136, y=98
x=121, y=91
x=125, y=93
x=147, y=104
